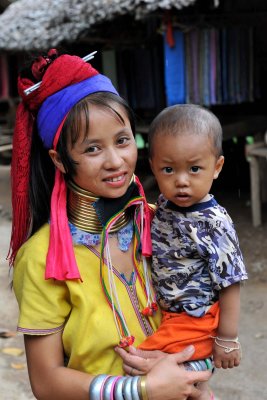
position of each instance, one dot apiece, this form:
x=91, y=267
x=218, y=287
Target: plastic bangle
x=103, y=386
x=199, y=365
x=95, y=387
x=143, y=388
x=108, y=388
x=118, y=388
x=134, y=388
x=126, y=389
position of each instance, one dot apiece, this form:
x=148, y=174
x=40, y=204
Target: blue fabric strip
x=56, y=106
x=175, y=80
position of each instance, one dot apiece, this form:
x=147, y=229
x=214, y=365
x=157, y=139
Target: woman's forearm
x=50, y=380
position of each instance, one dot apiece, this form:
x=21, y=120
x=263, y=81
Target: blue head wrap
x=55, y=107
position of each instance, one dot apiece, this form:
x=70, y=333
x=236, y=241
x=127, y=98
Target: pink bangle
x=103, y=386
x=113, y=386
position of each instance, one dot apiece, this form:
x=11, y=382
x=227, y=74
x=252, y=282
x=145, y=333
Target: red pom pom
x=147, y=311
x=126, y=341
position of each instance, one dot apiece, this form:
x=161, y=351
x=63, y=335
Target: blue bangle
x=196, y=365
x=126, y=389
x=134, y=388
x=118, y=395
x=199, y=365
x=108, y=387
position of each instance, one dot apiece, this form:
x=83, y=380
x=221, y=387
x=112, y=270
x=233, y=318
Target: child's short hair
x=186, y=118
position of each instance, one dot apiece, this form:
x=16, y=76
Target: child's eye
x=167, y=170
x=195, y=169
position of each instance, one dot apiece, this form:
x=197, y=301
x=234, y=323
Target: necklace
x=124, y=236
x=86, y=212
x=82, y=213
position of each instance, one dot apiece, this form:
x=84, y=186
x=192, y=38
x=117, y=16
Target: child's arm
x=227, y=334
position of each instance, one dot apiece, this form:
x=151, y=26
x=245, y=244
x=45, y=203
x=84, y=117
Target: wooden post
x=255, y=190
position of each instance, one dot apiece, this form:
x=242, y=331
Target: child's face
x=107, y=157
x=184, y=167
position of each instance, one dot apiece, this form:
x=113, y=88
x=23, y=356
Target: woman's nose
x=113, y=159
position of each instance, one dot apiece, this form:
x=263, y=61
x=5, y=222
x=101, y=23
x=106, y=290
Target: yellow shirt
x=78, y=309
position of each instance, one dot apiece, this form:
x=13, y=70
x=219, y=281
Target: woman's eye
x=92, y=149
x=167, y=170
x=123, y=140
x=195, y=168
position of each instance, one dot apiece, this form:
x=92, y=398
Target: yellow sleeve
x=44, y=304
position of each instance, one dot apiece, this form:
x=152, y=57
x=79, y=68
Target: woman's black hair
x=42, y=172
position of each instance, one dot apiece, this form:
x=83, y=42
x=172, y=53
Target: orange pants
x=180, y=330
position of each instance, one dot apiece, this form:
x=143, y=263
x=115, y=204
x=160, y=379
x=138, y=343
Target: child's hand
x=223, y=359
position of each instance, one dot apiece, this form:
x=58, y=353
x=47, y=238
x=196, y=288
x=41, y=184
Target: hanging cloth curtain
x=175, y=80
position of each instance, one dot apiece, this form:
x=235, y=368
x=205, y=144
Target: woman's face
x=107, y=156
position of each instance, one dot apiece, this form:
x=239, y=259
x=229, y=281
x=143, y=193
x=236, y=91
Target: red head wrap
x=63, y=71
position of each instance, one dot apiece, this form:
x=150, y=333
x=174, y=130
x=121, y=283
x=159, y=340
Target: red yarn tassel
x=169, y=32
x=148, y=215
x=20, y=172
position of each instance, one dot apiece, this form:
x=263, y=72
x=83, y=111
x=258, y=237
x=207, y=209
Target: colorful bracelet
x=144, y=395
x=199, y=365
x=107, y=387
x=118, y=395
x=127, y=388
x=96, y=387
x=134, y=388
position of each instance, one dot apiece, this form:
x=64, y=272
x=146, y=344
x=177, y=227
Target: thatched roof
x=40, y=24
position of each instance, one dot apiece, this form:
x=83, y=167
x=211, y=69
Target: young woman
x=80, y=238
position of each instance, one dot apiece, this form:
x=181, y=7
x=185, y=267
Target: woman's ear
x=55, y=157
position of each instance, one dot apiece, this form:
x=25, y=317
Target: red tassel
x=126, y=341
x=148, y=215
x=169, y=33
x=20, y=172
x=150, y=310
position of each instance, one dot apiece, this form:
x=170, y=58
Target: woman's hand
x=139, y=362
x=166, y=379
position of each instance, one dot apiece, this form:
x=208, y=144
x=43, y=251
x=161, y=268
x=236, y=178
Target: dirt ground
x=247, y=382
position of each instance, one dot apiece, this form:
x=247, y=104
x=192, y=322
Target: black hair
x=186, y=118
x=42, y=173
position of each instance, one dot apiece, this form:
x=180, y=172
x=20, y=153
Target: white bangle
x=227, y=349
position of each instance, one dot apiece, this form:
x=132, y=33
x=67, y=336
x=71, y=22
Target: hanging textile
x=210, y=66
x=175, y=69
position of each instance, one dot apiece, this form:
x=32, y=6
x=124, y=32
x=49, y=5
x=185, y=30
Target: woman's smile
x=106, y=159
x=116, y=181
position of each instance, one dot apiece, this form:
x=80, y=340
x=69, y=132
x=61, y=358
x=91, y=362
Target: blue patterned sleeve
x=226, y=264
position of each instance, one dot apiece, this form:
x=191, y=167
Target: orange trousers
x=180, y=330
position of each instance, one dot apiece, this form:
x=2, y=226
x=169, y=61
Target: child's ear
x=218, y=167
x=55, y=157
